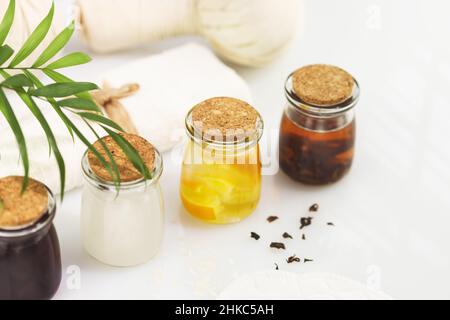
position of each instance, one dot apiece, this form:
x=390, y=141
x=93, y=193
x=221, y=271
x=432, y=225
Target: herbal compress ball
x=248, y=32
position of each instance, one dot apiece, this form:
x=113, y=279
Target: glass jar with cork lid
x=122, y=227
x=317, y=133
x=221, y=171
x=30, y=258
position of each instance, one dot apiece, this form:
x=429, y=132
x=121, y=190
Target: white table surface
x=392, y=212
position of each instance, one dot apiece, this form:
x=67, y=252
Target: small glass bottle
x=122, y=227
x=30, y=258
x=317, y=133
x=221, y=171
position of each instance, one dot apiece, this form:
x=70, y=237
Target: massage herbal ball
x=248, y=32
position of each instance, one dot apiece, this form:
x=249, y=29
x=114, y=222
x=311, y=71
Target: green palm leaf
x=61, y=90
x=5, y=53
x=112, y=171
x=11, y=118
x=62, y=87
x=130, y=152
x=115, y=168
x=79, y=104
x=73, y=129
x=7, y=21
x=56, y=76
x=99, y=119
x=72, y=59
x=39, y=84
x=60, y=78
x=17, y=81
x=35, y=39
x=50, y=137
x=55, y=46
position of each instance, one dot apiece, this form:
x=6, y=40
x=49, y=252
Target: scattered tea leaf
x=314, y=208
x=276, y=267
x=272, y=218
x=304, y=222
x=330, y=224
x=278, y=245
x=287, y=235
x=303, y=237
x=254, y=235
x=292, y=259
x=308, y=260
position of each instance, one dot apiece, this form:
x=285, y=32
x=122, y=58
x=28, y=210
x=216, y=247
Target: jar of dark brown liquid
x=317, y=133
x=30, y=259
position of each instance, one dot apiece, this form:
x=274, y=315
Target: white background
x=392, y=212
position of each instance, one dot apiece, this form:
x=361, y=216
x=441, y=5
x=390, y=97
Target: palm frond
x=61, y=90
x=72, y=59
x=130, y=152
x=16, y=82
x=60, y=78
x=79, y=104
x=6, y=52
x=35, y=39
x=7, y=21
x=115, y=169
x=11, y=118
x=55, y=46
x=39, y=84
x=53, y=145
x=63, y=94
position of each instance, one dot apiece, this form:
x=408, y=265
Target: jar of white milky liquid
x=122, y=226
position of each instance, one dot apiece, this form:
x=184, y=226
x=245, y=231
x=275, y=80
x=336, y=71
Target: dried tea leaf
x=304, y=222
x=314, y=208
x=272, y=219
x=276, y=266
x=254, y=235
x=303, y=237
x=278, y=245
x=330, y=224
x=308, y=260
x=292, y=259
x=287, y=235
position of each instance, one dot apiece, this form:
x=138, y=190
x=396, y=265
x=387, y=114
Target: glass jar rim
x=106, y=185
x=35, y=226
x=248, y=141
x=321, y=110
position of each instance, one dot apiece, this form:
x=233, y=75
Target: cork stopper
x=19, y=209
x=126, y=169
x=322, y=85
x=224, y=117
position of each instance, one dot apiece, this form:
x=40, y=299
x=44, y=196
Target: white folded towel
x=171, y=83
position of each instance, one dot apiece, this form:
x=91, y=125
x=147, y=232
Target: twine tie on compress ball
x=108, y=99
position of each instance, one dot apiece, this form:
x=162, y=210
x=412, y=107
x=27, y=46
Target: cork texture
x=126, y=169
x=21, y=209
x=323, y=85
x=226, y=117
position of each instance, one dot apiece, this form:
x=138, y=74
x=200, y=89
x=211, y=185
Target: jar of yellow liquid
x=221, y=173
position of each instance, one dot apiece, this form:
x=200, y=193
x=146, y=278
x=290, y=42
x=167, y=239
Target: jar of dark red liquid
x=30, y=259
x=317, y=133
